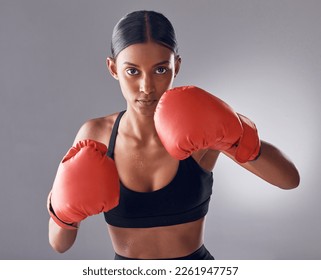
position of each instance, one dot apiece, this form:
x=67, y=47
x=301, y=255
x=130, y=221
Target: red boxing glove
x=188, y=119
x=249, y=146
x=87, y=183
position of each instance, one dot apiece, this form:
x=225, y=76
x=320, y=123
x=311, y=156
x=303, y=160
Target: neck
x=140, y=126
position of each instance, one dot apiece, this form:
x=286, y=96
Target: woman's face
x=145, y=71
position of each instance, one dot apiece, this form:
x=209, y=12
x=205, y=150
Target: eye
x=161, y=70
x=132, y=71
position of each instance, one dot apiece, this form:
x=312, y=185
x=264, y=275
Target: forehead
x=145, y=53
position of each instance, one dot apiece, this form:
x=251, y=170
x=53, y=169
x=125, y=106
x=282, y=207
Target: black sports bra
x=185, y=199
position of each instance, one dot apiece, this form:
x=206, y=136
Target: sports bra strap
x=112, y=140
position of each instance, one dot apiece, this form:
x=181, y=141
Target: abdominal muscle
x=158, y=242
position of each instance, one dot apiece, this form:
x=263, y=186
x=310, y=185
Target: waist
x=200, y=254
x=158, y=242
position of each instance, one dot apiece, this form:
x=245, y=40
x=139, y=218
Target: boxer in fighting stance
x=148, y=169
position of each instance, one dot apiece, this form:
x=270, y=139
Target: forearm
x=61, y=239
x=274, y=167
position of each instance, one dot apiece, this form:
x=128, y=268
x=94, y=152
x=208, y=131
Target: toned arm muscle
x=274, y=167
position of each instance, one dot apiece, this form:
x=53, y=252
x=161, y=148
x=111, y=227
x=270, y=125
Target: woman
x=158, y=194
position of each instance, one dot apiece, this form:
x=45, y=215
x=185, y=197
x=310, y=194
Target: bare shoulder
x=98, y=129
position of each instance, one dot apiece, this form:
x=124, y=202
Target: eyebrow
x=135, y=65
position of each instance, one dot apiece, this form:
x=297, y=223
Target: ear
x=111, y=65
x=178, y=62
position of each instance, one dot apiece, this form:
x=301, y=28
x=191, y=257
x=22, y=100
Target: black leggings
x=199, y=254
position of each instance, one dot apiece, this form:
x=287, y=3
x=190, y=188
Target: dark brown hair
x=141, y=27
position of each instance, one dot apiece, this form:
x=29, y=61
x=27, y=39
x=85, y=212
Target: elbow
x=60, y=240
x=292, y=181
x=57, y=247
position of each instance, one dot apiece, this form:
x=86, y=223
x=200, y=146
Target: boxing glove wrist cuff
x=56, y=219
x=258, y=155
x=248, y=147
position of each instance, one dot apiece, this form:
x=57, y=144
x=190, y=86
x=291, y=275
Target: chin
x=146, y=110
x=147, y=113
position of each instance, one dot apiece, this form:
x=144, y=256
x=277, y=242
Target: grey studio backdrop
x=262, y=57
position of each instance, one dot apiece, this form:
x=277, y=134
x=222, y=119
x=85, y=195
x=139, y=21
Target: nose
x=147, y=85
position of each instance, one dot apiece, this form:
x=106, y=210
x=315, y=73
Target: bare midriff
x=158, y=242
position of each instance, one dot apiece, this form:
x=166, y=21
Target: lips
x=146, y=102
